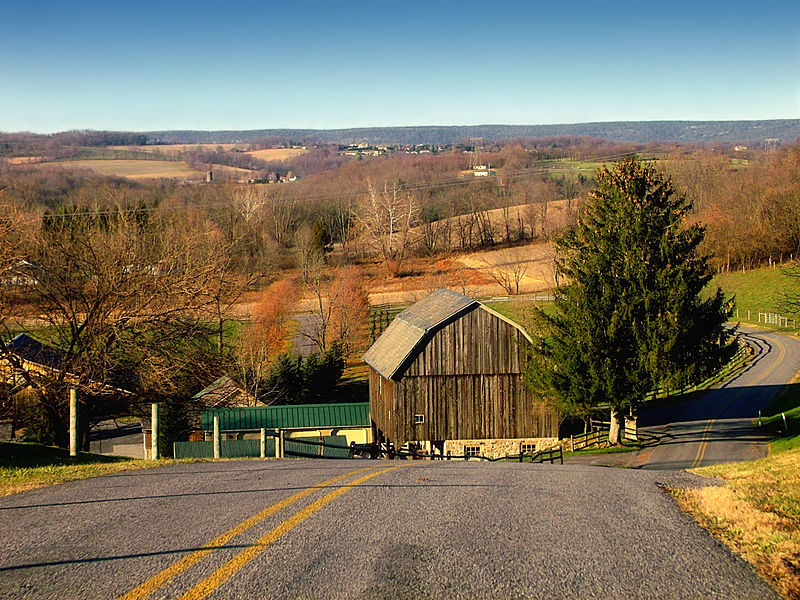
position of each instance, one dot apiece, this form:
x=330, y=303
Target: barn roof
x=390, y=351
x=223, y=391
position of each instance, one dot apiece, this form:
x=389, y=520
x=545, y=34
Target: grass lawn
x=354, y=385
x=626, y=447
x=757, y=291
x=27, y=466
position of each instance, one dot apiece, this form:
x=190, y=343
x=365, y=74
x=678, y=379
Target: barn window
x=472, y=451
x=419, y=419
x=527, y=448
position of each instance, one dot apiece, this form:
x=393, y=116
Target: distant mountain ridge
x=782, y=130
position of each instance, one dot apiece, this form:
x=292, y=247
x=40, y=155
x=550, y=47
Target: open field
x=147, y=169
x=531, y=265
x=132, y=169
x=761, y=290
x=272, y=154
x=176, y=148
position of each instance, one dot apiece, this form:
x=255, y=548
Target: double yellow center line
x=210, y=583
x=701, y=450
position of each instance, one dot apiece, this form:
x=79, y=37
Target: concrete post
x=278, y=445
x=154, y=426
x=282, y=440
x=73, y=422
x=263, y=443
x=216, y=436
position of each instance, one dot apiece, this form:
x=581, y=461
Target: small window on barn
x=527, y=448
x=419, y=419
x=472, y=451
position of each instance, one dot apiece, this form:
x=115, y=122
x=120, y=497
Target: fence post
x=154, y=454
x=571, y=444
x=216, y=436
x=263, y=443
x=73, y=422
x=277, y=439
x=759, y=418
x=282, y=443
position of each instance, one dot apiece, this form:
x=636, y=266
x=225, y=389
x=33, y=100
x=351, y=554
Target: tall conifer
x=630, y=316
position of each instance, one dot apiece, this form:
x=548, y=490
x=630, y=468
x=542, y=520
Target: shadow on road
x=727, y=402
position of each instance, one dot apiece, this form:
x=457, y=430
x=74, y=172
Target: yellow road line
x=158, y=580
x=701, y=450
x=774, y=365
x=230, y=568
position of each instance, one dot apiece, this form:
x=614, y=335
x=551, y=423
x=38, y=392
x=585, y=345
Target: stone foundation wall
x=497, y=448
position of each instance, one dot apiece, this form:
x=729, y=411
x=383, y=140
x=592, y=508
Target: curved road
x=718, y=426
x=405, y=529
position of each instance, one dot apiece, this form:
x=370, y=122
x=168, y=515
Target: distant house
x=37, y=357
x=448, y=373
x=224, y=392
x=221, y=393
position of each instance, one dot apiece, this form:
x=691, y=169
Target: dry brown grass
x=756, y=513
x=534, y=260
x=131, y=169
x=271, y=154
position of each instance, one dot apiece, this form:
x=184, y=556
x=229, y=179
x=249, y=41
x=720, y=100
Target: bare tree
x=112, y=295
x=349, y=321
x=387, y=217
x=508, y=273
x=310, y=256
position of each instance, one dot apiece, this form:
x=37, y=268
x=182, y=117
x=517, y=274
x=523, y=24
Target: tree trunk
x=616, y=427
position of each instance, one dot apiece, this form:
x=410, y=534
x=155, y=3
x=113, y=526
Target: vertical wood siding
x=468, y=383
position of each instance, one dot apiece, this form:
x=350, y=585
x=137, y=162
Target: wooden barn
x=448, y=373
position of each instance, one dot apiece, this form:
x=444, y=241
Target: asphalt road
x=404, y=529
x=418, y=530
x=718, y=426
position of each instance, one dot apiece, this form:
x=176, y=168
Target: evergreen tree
x=630, y=317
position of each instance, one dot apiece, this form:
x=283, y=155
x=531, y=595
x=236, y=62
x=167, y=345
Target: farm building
x=337, y=424
x=448, y=373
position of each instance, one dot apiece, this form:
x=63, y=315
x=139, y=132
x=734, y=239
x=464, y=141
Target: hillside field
x=175, y=148
x=132, y=169
x=277, y=154
x=760, y=290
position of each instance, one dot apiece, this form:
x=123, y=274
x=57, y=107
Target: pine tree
x=630, y=317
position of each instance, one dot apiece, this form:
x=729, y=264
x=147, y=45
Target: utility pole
x=73, y=422
x=154, y=426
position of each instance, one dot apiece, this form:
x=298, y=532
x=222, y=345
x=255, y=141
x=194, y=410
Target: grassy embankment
x=26, y=466
x=757, y=512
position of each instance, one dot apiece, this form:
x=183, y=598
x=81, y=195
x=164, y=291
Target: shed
x=348, y=419
x=448, y=372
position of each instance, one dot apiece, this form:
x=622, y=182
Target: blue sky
x=253, y=65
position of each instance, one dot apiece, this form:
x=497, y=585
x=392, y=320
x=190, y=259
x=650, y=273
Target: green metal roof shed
x=295, y=416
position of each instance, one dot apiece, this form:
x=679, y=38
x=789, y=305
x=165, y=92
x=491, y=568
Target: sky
x=174, y=64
